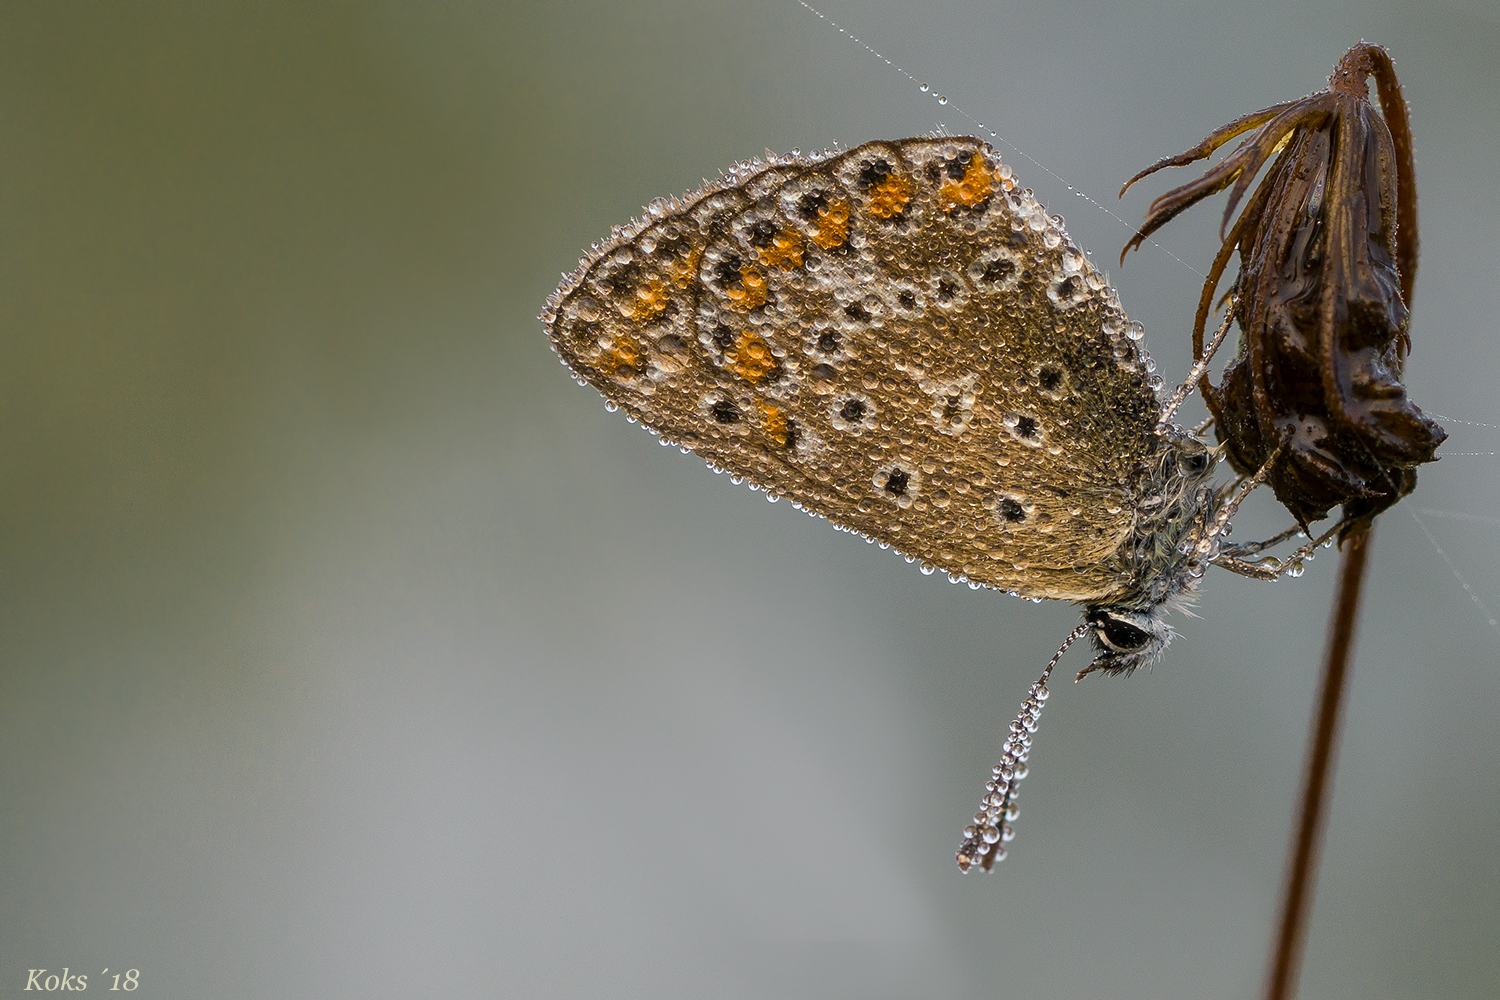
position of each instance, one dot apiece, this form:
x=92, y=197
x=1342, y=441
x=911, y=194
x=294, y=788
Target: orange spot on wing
x=749, y=292
x=776, y=426
x=832, y=226
x=622, y=357
x=890, y=197
x=685, y=268
x=784, y=252
x=977, y=184
x=752, y=359
x=650, y=299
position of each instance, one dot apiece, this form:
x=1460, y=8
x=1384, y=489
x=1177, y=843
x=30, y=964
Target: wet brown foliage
x=1328, y=256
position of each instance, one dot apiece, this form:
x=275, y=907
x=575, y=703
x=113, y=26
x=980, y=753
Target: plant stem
x=1302, y=864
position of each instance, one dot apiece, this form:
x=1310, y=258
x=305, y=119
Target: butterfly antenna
x=997, y=808
x=1199, y=367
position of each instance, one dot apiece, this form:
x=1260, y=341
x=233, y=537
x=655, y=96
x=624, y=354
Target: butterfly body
x=900, y=339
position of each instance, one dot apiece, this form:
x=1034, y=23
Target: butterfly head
x=1125, y=638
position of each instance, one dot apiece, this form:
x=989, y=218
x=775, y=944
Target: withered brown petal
x=1327, y=248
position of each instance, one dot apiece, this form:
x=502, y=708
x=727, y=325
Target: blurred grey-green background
x=348, y=649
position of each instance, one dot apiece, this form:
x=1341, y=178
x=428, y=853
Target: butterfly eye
x=1122, y=635
x=1196, y=463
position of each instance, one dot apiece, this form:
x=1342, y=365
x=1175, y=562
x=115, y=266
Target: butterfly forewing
x=895, y=337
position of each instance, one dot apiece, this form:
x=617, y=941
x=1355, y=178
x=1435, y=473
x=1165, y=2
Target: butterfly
x=900, y=339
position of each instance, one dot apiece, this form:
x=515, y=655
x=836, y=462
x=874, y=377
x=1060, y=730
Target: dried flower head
x=1328, y=257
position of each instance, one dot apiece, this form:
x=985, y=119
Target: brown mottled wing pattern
x=896, y=338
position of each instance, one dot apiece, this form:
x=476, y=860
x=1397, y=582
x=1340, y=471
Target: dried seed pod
x=1328, y=256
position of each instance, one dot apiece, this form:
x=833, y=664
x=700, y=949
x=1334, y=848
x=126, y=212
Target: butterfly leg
x=1255, y=548
x=1232, y=557
x=1293, y=562
x=1216, y=528
x=1270, y=570
x=1199, y=367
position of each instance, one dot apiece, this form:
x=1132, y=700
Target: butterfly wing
x=895, y=338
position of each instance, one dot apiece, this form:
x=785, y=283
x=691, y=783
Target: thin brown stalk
x=1307, y=845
